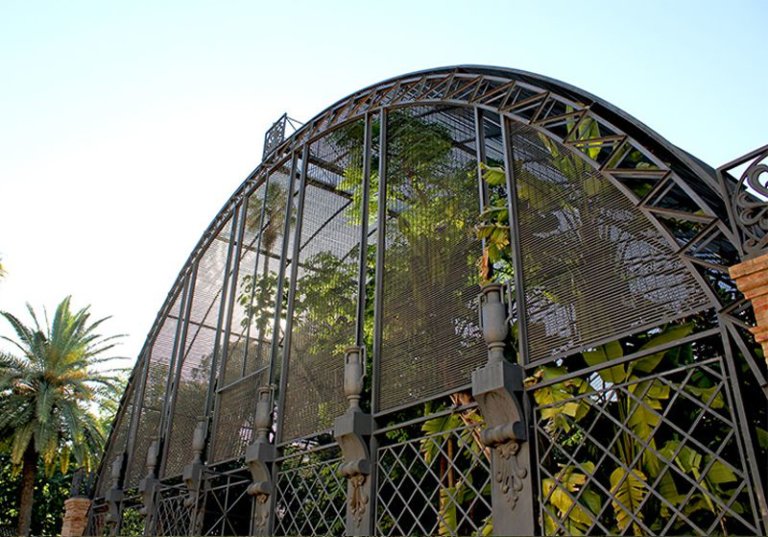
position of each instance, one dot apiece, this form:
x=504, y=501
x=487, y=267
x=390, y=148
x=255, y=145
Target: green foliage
x=628, y=490
x=561, y=492
x=450, y=443
x=47, y=393
x=50, y=393
x=640, y=405
x=50, y=493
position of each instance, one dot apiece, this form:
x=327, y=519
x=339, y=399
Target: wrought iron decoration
x=750, y=207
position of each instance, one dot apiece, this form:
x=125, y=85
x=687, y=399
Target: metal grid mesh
x=197, y=357
x=246, y=352
x=252, y=320
x=326, y=287
x=154, y=394
x=430, y=339
x=436, y=484
x=117, y=441
x=173, y=516
x=227, y=506
x=651, y=455
x=310, y=496
x=236, y=412
x=97, y=525
x=594, y=265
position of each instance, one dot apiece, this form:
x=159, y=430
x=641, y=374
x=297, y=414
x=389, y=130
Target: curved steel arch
x=495, y=89
x=559, y=111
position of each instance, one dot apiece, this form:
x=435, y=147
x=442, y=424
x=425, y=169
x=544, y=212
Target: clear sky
x=125, y=126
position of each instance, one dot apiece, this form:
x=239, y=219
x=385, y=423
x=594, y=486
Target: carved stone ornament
x=498, y=389
x=148, y=484
x=509, y=474
x=358, y=501
x=114, y=495
x=493, y=320
x=193, y=472
x=352, y=430
x=258, y=457
x=354, y=374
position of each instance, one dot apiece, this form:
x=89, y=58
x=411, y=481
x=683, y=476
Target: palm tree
x=49, y=393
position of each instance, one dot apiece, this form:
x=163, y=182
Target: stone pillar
x=75, y=517
x=498, y=389
x=751, y=277
x=352, y=431
x=259, y=458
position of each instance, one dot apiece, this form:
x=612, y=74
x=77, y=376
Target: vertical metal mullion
x=514, y=229
x=235, y=270
x=284, y=366
x=281, y=271
x=362, y=267
x=174, y=354
x=133, y=426
x=743, y=436
x=181, y=337
x=213, y=379
x=256, y=260
x=362, y=273
x=381, y=224
x=165, y=417
x=480, y=156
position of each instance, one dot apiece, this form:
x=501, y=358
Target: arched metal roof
x=685, y=200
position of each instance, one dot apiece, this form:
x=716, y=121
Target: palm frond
x=49, y=390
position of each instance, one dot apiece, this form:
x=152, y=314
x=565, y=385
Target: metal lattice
x=310, y=497
x=174, y=512
x=594, y=265
x=437, y=484
x=226, y=504
x=654, y=455
x=97, y=520
x=235, y=429
x=119, y=435
x=155, y=385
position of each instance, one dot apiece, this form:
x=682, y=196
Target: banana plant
x=637, y=400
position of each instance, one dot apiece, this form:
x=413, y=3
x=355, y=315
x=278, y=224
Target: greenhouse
x=464, y=301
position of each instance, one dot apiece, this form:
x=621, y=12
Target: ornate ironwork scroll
x=275, y=135
x=749, y=201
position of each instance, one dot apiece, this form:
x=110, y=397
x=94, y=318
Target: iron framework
x=323, y=365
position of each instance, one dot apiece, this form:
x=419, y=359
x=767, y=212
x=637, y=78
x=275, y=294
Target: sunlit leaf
x=605, y=353
x=629, y=490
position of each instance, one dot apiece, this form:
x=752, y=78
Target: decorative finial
x=354, y=373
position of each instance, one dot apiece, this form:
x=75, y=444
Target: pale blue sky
x=124, y=126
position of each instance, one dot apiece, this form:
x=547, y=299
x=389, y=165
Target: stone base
x=75, y=517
